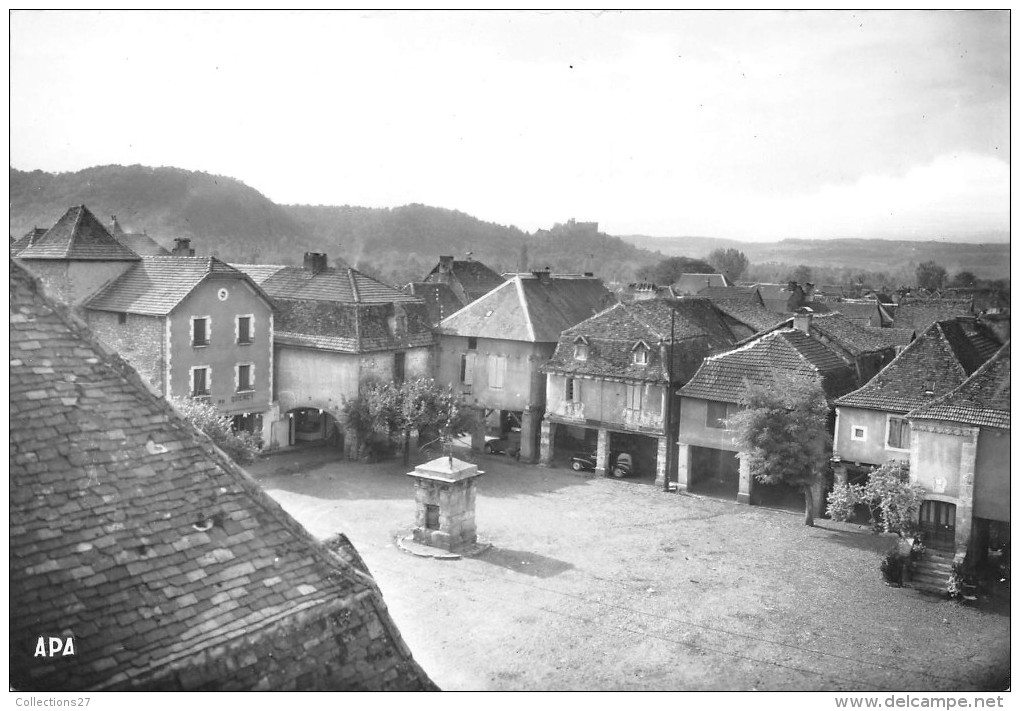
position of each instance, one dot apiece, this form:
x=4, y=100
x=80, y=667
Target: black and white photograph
x=510, y=351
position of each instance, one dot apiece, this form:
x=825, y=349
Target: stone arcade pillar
x=660, y=462
x=602, y=453
x=478, y=430
x=530, y=420
x=839, y=473
x=965, y=495
x=444, y=496
x=683, y=467
x=746, y=481
x=547, y=443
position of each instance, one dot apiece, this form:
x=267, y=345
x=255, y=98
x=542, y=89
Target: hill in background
x=226, y=218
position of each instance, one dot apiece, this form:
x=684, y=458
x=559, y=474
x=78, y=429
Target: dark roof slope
x=29, y=238
x=896, y=337
x=439, y=298
x=919, y=314
x=78, y=235
x=698, y=327
x=849, y=335
x=530, y=308
x=141, y=244
x=937, y=361
x=132, y=533
x=330, y=284
x=476, y=279
x=982, y=399
x=156, y=285
x=723, y=377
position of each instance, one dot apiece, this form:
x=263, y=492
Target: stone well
x=444, y=494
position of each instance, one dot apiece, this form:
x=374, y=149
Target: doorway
x=938, y=523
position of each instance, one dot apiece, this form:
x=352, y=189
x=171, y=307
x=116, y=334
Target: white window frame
x=497, y=372
x=251, y=378
x=888, y=426
x=251, y=329
x=208, y=380
x=640, y=355
x=853, y=433
x=580, y=351
x=208, y=331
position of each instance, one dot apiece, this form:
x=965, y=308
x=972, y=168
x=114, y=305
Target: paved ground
x=602, y=584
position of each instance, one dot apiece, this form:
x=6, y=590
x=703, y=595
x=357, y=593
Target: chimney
x=315, y=262
x=445, y=269
x=802, y=320
x=182, y=247
x=543, y=274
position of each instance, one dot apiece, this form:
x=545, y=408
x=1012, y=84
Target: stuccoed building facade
x=491, y=351
x=337, y=330
x=608, y=381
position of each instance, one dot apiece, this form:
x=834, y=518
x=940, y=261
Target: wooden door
x=938, y=523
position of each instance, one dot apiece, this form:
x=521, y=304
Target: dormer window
x=640, y=353
x=580, y=348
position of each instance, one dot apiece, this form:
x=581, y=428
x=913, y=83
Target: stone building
x=708, y=459
x=872, y=425
x=140, y=546
x=491, y=351
x=336, y=330
x=193, y=327
x=960, y=454
x=453, y=284
x=76, y=257
x=608, y=381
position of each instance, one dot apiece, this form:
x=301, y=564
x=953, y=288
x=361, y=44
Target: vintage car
x=621, y=464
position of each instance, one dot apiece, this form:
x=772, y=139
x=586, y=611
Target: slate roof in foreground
x=131, y=533
x=983, y=399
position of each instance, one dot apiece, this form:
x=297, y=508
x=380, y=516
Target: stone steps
x=931, y=573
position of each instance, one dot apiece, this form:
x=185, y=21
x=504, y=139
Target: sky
x=739, y=124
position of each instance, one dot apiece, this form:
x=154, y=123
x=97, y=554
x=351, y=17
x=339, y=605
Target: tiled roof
x=854, y=338
x=475, y=278
x=331, y=284
x=897, y=337
x=723, y=377
x=752, y=314
x=350, y=328
x=937, y=361
x=142, y=244
x=258, y=272
x=530, y=308
x=699, y=329
x=919, y=314
x=156, y=285
x=983, y=399
x=27, y=239
x=133, y=534
x=438, y=297
x=745, y=293
x=861, y=312
x=78, y=235
x=694, y=283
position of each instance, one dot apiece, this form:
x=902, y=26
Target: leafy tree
x=801, y=274
x=242, y=447
x=731, y=262
x=781, y=429
x=891, y=497
x=421, y=406
x=669, y=270
x=964, y=280
x=930, y=276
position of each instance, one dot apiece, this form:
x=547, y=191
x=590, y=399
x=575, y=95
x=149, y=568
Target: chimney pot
x=315, y=262
x=802, y=320
x=182, y=247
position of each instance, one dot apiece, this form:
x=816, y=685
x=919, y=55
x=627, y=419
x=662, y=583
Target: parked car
x=508, y=445
x=621, y=464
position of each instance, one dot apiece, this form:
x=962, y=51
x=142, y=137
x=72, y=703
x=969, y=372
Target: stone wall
x=140, y=341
